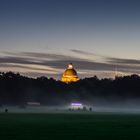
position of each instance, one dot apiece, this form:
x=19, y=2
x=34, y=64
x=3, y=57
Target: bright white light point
x=70, y=66
x=76, y=106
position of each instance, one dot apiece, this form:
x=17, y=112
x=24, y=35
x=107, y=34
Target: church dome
x=70, y=74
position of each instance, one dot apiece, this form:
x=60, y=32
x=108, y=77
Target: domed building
x=70, y=74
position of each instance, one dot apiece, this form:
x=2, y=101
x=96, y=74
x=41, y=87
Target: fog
x=98, y=106
x=102, y=95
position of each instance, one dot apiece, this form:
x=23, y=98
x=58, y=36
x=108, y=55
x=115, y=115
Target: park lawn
x=69, y=126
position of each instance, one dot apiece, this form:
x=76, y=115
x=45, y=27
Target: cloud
x=41, y=63
x=110, y=60
x=123, y=61
x=28, y=67
x=17, y=60
x=38, y=56
x=82, y=52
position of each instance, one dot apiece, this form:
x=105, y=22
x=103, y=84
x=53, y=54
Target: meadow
x=69, y=126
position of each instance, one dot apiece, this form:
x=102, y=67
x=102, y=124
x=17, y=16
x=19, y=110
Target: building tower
x=70, y=74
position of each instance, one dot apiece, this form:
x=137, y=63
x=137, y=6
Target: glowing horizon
x=41, y=37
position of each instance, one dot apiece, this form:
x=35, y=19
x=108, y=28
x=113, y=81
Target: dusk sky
x=40, y=37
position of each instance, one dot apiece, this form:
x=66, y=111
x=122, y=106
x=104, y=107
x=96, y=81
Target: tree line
x=16, y=89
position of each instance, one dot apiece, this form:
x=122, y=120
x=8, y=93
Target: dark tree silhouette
x=16, y=89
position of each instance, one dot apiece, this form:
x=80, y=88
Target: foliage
x=16, y=89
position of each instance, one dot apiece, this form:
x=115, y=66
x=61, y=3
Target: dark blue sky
x=100, y=29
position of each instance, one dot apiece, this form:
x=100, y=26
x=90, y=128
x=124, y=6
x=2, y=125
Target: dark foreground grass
x=69, y=127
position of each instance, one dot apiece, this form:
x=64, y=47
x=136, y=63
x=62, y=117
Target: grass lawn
x=62, y=126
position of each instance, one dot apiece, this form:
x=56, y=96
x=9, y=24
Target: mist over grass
x=122, y=93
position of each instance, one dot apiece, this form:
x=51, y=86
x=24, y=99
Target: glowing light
x=70, y=66
x=76, y=104
x=69, y=75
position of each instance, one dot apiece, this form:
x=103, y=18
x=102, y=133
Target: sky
x=40, y=37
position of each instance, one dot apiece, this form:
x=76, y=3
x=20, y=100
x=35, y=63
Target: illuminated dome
x=70, y=75
x=70, y=72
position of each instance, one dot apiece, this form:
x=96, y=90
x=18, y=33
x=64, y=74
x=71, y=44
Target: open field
x=79, y=126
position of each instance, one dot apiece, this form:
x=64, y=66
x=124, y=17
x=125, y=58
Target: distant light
x=70, y=66
x=76, y=104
